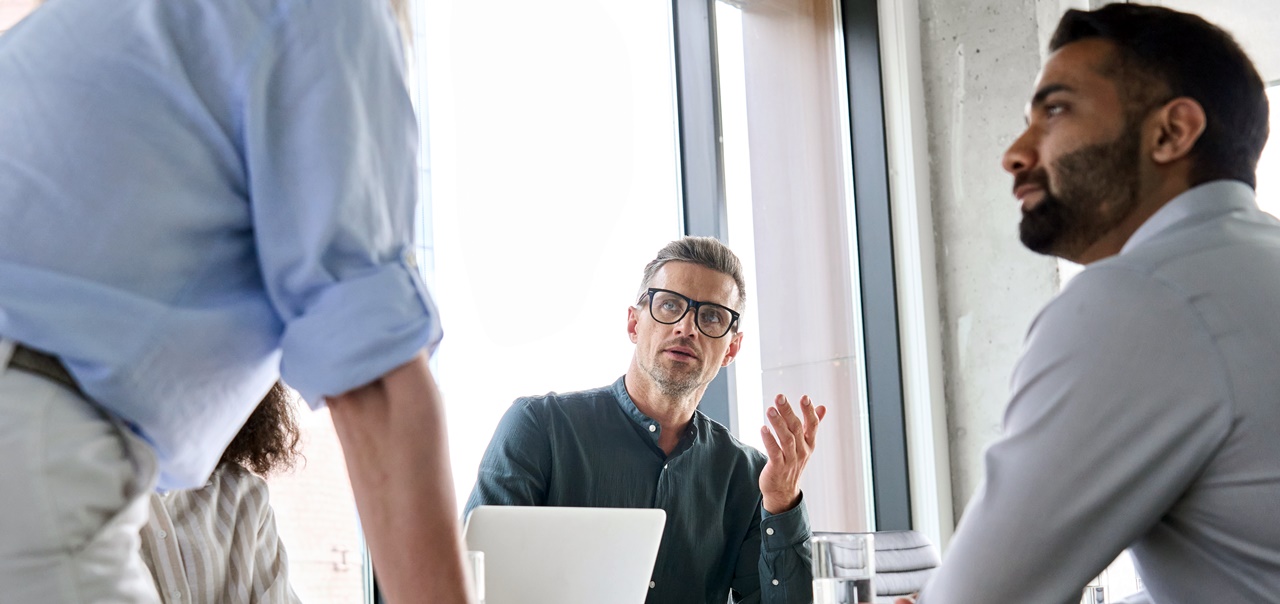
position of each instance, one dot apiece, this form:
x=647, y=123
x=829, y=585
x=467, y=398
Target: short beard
x=674, y=387
x=672, y=383
x=1097, y=190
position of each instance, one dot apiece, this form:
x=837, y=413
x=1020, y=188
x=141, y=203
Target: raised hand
x=788, y=445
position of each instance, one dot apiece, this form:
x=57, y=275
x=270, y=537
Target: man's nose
x=688, y=323
x=1021, y=155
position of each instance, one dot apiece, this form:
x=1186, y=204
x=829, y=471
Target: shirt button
x=162, y=534
x=175, y=594
x=653, y=428
x=664, y=466
x=768, y=531
x=652, y=584
x=775, y=581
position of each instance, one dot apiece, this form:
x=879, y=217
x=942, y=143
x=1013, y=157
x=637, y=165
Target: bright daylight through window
x=553, y=180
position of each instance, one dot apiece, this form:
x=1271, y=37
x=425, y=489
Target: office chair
x=904, y=561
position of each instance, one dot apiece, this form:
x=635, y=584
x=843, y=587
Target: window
x=12, y=11
x=316, y=517
x=748, y=388
x=553, y=179
x=1269, y=164
x=789, y=189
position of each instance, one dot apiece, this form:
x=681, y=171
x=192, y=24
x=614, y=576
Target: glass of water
x=844, y=568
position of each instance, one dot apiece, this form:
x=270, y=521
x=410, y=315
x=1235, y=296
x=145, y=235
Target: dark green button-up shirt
x=596, y=449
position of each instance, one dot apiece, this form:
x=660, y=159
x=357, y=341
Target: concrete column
x=980, y=59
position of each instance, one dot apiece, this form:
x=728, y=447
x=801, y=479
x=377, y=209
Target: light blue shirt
x=1144, y=415
x=198, y=197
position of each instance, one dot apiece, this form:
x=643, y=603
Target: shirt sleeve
x=516, y=467
x=774, y=565
x=330, y=145
x=1118, y=403
x=271, y=564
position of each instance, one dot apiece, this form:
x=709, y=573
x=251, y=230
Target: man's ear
x=1178, y=125
x=633, y=317
x=734, y=346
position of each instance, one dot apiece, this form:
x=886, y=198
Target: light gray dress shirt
x=1145, y=413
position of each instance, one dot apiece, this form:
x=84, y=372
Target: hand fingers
x=811, y=419
x=788, y=415
x=770, y=445
x=781, y=431
x=810, y=415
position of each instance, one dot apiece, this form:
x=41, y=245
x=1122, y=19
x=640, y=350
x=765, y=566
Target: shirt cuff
x=357, y=330
x=785, y=530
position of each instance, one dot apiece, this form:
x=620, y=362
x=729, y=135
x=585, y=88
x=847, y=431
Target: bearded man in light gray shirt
x=1145, y=411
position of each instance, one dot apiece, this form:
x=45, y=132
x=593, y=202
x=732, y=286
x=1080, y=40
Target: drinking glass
x=844, y=568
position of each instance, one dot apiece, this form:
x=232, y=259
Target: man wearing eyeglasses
x=736, y=522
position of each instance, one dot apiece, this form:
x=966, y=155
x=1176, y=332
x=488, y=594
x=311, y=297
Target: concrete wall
x=980, y=59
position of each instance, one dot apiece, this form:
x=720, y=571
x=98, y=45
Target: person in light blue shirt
x=736, y=522
x=196, y=199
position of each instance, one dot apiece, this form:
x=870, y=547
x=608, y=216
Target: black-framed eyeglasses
x=668, y=307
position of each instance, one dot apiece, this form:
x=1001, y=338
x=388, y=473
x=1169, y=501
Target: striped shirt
x=217, y=544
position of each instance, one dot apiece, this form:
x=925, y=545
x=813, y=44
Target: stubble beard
x=1097, y=190
x=673, y=380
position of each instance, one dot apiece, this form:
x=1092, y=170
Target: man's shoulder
x=1107, y=306
x=231, y=491
x=575, y=402
x=1173, y=270
x=1198, y=243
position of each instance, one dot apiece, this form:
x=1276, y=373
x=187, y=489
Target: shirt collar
x=1193, y=206
x=648, y=425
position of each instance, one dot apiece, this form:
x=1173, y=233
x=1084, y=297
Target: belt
x=42, y=364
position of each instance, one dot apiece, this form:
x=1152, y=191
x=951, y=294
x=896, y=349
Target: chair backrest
x=904, y=561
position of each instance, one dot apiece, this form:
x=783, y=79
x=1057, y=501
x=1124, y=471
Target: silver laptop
x=552, y=555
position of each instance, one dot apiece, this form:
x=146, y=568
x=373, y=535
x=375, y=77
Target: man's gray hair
x=703, y=251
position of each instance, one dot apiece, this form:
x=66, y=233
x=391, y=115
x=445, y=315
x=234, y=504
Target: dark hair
x=1165, y=54
x=269, y=439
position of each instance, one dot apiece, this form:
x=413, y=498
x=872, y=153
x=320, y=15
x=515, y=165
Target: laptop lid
x=559, y=555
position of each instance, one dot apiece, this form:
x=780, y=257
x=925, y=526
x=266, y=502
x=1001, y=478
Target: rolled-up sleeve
x=330, y=147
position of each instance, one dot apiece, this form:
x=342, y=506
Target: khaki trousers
x=74, y=486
